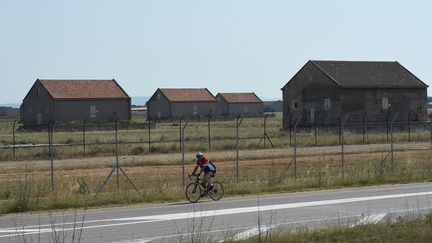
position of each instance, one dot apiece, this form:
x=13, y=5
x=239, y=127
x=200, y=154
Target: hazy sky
x=226, y=46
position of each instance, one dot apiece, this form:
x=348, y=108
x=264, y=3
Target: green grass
x=418, y=229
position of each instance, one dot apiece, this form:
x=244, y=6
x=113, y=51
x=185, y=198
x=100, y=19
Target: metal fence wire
x=54, y=141
x=89, y=139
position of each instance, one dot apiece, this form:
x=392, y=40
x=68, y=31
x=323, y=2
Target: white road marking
x=273, y=226
x=176, y=235
x=19, y=231
x=251, y=233
x=370, y=219
x=134, y=241
x=209, y=213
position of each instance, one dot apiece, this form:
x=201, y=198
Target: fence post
x=295, y=151
x=391, y=139
x=387, y=123
x=149, y=135
x=183, y=152
x=13, y=138
x=430, y=127
x=265, y=136
x=84, y=136
x=49, y=139
x=342, y=146
x=295, y=147
x=117, y=155
x=315, y=128
x=409, y=126
x=340, y=128
x=265, y=129
x=239, y=120
x=208, y=125
x=363, y=126
x=290, y=128
x=180, y=133
x=50, y=134
x=117, y=167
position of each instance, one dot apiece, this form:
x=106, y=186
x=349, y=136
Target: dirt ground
x=149, y=167
x=218, y=156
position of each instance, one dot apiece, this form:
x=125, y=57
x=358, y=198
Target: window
x=158, y=96
x=159, y=114
x=93, y=111
x=327, y=104
x=294, y=105
x=385, y=103
x=195, y=110
x=246, y=109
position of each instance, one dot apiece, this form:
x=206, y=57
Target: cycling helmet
x=199, y=155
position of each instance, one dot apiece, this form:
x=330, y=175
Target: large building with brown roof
x=232, y=104
x=75, y=100
x=321, y=92
x=169, y=103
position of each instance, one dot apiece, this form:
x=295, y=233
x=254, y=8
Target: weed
x=137, y=150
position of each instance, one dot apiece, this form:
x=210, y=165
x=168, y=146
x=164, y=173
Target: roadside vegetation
x=409, y=229
x=31, y=190
x=156, y=170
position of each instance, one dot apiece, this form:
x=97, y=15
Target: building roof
x=240, y=97
x=188, y=95
x=353, y=74
x=269, y=103
x=83, y=89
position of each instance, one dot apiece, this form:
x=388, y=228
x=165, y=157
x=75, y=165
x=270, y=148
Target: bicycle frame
x=215, y=193
x=197, y=180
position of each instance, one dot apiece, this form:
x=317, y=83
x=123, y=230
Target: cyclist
x=209, y=170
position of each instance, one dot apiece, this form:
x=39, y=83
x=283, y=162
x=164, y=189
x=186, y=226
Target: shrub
x=137, y=150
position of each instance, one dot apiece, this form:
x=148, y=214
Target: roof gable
x=365, y=74
x=188, y=95
x=240, y=97
x=83, y=89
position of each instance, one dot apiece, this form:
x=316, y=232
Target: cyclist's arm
x=196, y=168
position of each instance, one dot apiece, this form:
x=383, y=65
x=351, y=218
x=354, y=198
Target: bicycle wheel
x=193, y=192
x=217, y=192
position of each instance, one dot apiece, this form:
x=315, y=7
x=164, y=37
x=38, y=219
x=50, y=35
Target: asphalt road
x=225, y=219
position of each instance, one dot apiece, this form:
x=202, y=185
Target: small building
x=74, y=100
x=169, y=103
x=231, y=104
x=323, y=91
x=273, y=106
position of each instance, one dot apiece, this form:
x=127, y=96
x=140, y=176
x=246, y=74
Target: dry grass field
x=25, y=183
x=30, y=181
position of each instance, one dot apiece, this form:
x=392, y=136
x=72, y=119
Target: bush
x=137, y=150
x=82, y=187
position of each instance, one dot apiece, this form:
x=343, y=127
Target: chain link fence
x=250, y=147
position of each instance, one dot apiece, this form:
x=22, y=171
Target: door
x=39, y=118
x=312, y=115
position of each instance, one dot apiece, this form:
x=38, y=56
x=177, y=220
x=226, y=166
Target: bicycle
x=195, y=190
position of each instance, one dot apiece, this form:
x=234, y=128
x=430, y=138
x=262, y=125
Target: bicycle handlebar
x=190, y=176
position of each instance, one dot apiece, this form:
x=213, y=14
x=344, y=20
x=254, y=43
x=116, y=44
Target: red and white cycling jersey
x=203, y=162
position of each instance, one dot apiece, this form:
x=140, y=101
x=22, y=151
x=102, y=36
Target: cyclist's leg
x=207, y=178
